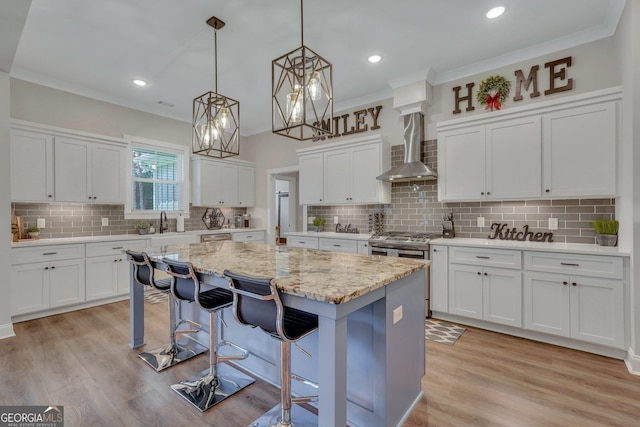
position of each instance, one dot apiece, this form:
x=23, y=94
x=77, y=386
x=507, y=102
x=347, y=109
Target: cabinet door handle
x=337, y=246
x=302, y=243
x=570, y=264
x=248, y=237
x=574, y=284
x=117, y=247
x=49, y=253
x=565, y=283
x=483, y=257
x=547, y=191
x=53, y=266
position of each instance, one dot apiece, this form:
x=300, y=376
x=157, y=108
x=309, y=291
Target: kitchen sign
x=502, y=232
x=358, y=118
x=558, y=82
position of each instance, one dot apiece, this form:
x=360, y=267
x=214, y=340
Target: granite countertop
x=326, y=276
x=576, y=248
x=97, y=239
x=329, y=234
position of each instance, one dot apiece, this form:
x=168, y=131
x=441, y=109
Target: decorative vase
x=143, y=231
x=33, y=235
x=607, y=239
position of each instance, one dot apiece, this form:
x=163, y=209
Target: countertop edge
x=329, y=235
x=576, y=248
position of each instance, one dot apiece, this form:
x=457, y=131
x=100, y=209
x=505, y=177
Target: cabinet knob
x=320, y=199
x=46, y=268
x=50, y=195
x=53, y=267
x=488, y=193
x=574, y=284
x=115, y=260
x=479, y=274
x=482, y=193
x=485, y=274
x=435, y=250
x=547, y=191
x=565, y=283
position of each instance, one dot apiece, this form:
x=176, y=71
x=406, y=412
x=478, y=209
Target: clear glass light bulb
x=294, y=107
x=210, y=134
x=225, y=120
x=315, y=86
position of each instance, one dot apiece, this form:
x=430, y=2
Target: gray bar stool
x=256, y=302
x=169, y=355
x=219, y=380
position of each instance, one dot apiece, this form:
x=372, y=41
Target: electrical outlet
x=397, y=315
x=553, y=224
x=335, y=219
x=41, y=223
x=480, y=221
x=105, y=222
x=310, y=220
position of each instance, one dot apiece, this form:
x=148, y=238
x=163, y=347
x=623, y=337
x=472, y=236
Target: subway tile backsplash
x=414, y=207
x=78, y=220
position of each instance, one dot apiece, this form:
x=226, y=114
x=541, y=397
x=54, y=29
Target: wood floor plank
x=82, y=360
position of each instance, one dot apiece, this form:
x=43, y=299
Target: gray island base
x=368, y=368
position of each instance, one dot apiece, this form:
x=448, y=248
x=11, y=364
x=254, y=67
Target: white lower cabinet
x=44, y=285
x=580, y=307
x=248, y=236
x=363, y=247
x=107, y=276
x=486, y=293
x=338, y=245
x=302, y=242
x=439, y=280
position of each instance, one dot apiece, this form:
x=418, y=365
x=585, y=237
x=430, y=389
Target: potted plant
x=606, y=231
x=319, y=223
x=142, y=227
x=33, y=232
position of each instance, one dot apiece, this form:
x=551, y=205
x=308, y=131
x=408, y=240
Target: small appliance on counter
x=237, y=221
x=448, y=232
x=246, y=218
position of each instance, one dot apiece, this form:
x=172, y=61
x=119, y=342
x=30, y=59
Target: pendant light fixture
x=216, y=118
x=302, y=92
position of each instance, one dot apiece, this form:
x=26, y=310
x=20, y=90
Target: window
x=157, y=179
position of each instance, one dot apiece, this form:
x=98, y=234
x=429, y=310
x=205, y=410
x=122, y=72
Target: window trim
x=182, y=151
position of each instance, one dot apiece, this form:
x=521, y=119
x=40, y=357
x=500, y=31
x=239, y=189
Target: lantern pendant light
x=216, y=118
x=302, y=92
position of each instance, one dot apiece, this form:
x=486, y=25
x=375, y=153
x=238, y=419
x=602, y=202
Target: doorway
x=282, y=206
x=282, y=200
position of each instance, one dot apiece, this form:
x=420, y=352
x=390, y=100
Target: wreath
x=499, y=85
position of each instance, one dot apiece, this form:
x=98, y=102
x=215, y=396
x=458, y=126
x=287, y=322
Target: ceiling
x=96, y=48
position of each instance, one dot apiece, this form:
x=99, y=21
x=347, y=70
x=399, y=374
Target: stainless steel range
x=404, y=244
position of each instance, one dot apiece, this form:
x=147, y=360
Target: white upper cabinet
x=565, y=148
x=52, y=164
x=311, y=179
x=222, y=182
x=31, y=166
x=580, y=151
x=345, y=172
x=86, y=171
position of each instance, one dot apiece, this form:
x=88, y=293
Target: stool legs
x=218, y=381
x=174, y=353
x=285, y=414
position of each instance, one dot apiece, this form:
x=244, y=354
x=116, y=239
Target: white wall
x=6, y=327
x=628, y=50
x=595, y=66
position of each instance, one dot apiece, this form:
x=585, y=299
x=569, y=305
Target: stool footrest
x=205, y=390
x=243, y=353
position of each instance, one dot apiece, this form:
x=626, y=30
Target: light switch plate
x=310, y=219
x=553, y=224
x=41, y=223
x=480, y=221
x=335, y=219
x=105, y=222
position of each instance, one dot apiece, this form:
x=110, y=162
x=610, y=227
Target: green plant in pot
x=33, y=232
x=606, y=231
x=142, y=227
x=319, y=223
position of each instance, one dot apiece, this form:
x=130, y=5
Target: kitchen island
x=368, y=352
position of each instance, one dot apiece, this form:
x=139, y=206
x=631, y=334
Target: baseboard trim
x=6, y=331
x=633, y=362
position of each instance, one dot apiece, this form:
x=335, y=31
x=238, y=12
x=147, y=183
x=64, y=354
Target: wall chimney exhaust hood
x=412, y=169
x=411, y=100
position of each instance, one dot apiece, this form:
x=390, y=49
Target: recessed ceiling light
x=495, y=12
x=374, y=58
x=139, y=82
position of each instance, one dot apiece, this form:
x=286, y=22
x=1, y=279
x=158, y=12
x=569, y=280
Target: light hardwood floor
x=81, y=360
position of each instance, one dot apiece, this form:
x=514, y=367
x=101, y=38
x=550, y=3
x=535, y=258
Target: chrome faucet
x=163, y=222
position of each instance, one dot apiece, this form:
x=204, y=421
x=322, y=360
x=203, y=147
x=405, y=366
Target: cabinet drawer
x=339, y=245
x=586, y=265
x=252, y=236
x=113, y=248
x=486, y=257
x=46, y=253
x=302, y=242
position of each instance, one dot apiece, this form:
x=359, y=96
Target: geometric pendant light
x=302, y=92
x=216, y=118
